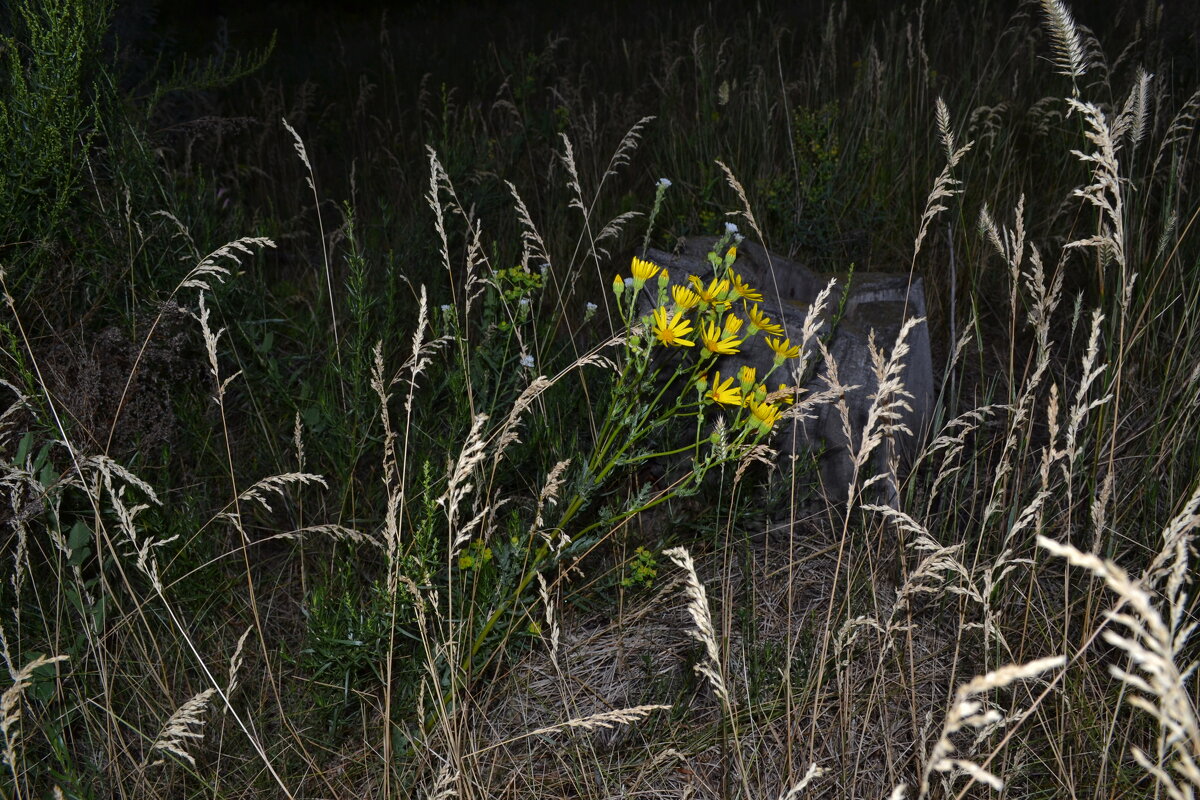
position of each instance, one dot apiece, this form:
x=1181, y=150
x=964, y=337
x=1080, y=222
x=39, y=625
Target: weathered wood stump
x=876, y=302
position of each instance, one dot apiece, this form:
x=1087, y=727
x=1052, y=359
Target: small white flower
x=527, y=361
x=524, y=302
x=730, y=228
x=629, y=283
x=664, y=183
x=445, y=308
x=591, y=308
x=545, y=267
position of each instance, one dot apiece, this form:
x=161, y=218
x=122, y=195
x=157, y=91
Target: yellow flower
x=672, y=332
x=783, y=349
x=685, y=298
x=740, y=288
x=763, y=416
x=733, y=325
x=761, y=322
x=642, y=272
x=790, y=396
x=746, y=378
x=716, y=341
x=618, y=284
x=724, y=392
x=716, y=294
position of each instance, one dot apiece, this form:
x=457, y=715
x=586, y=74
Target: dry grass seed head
x=704, y=633
x=187, y=723
x=1153, y=645
x=965, y=711
x=10, y=701
x=1070, y=57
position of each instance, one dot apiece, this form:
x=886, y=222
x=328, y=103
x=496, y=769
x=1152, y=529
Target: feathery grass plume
x=422, y=351
x=835, y=388
x=814, y=319
x=22, y=487
x=186, y=723
x=142, y=547
x=508, y=431
x=1135, y=114
x=235, y=663
x=968, y=712
x=310, y=179
x=710, y=666
x=1044, y=302
x=207, y=270
x=458, y=485
x=1179, y=131
x=940, y=570
x=613, y=229
x=746, y=211
x=1099, y=511
x=10, y=701
x=629, y=143
x=952, y=440
x=760, y=454
x=275, y=484
x=298, y=442
x=1070, y=57
x=437, y=179
x=888, y=402
x=211, y=339
x=531, y=240
x=1082, y=406
x=604, y=720
x=809, y=776
x=549, y=497
x=1104, y=192
x=445, y=786
x=1154, y=646
x=210, y=267
x=1009, y=244
x=930, y=575
x=567, y=157
x=945, y=186
x=18, y=404
x=551, y=620
x=333, y=531
x=393, y=481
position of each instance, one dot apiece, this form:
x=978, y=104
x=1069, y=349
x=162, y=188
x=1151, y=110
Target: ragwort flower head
x=746, y=375
x=642, y=272
x=724, y=392
x=685, y=299
x=783, y=349
x=743, y=290
x=716, y=294
x=717, y=341
x=671, y=332
x=761, y=322
x=763, y=416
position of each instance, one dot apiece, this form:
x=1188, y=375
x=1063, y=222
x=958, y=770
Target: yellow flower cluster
x=705, y=311
x=748, y=394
